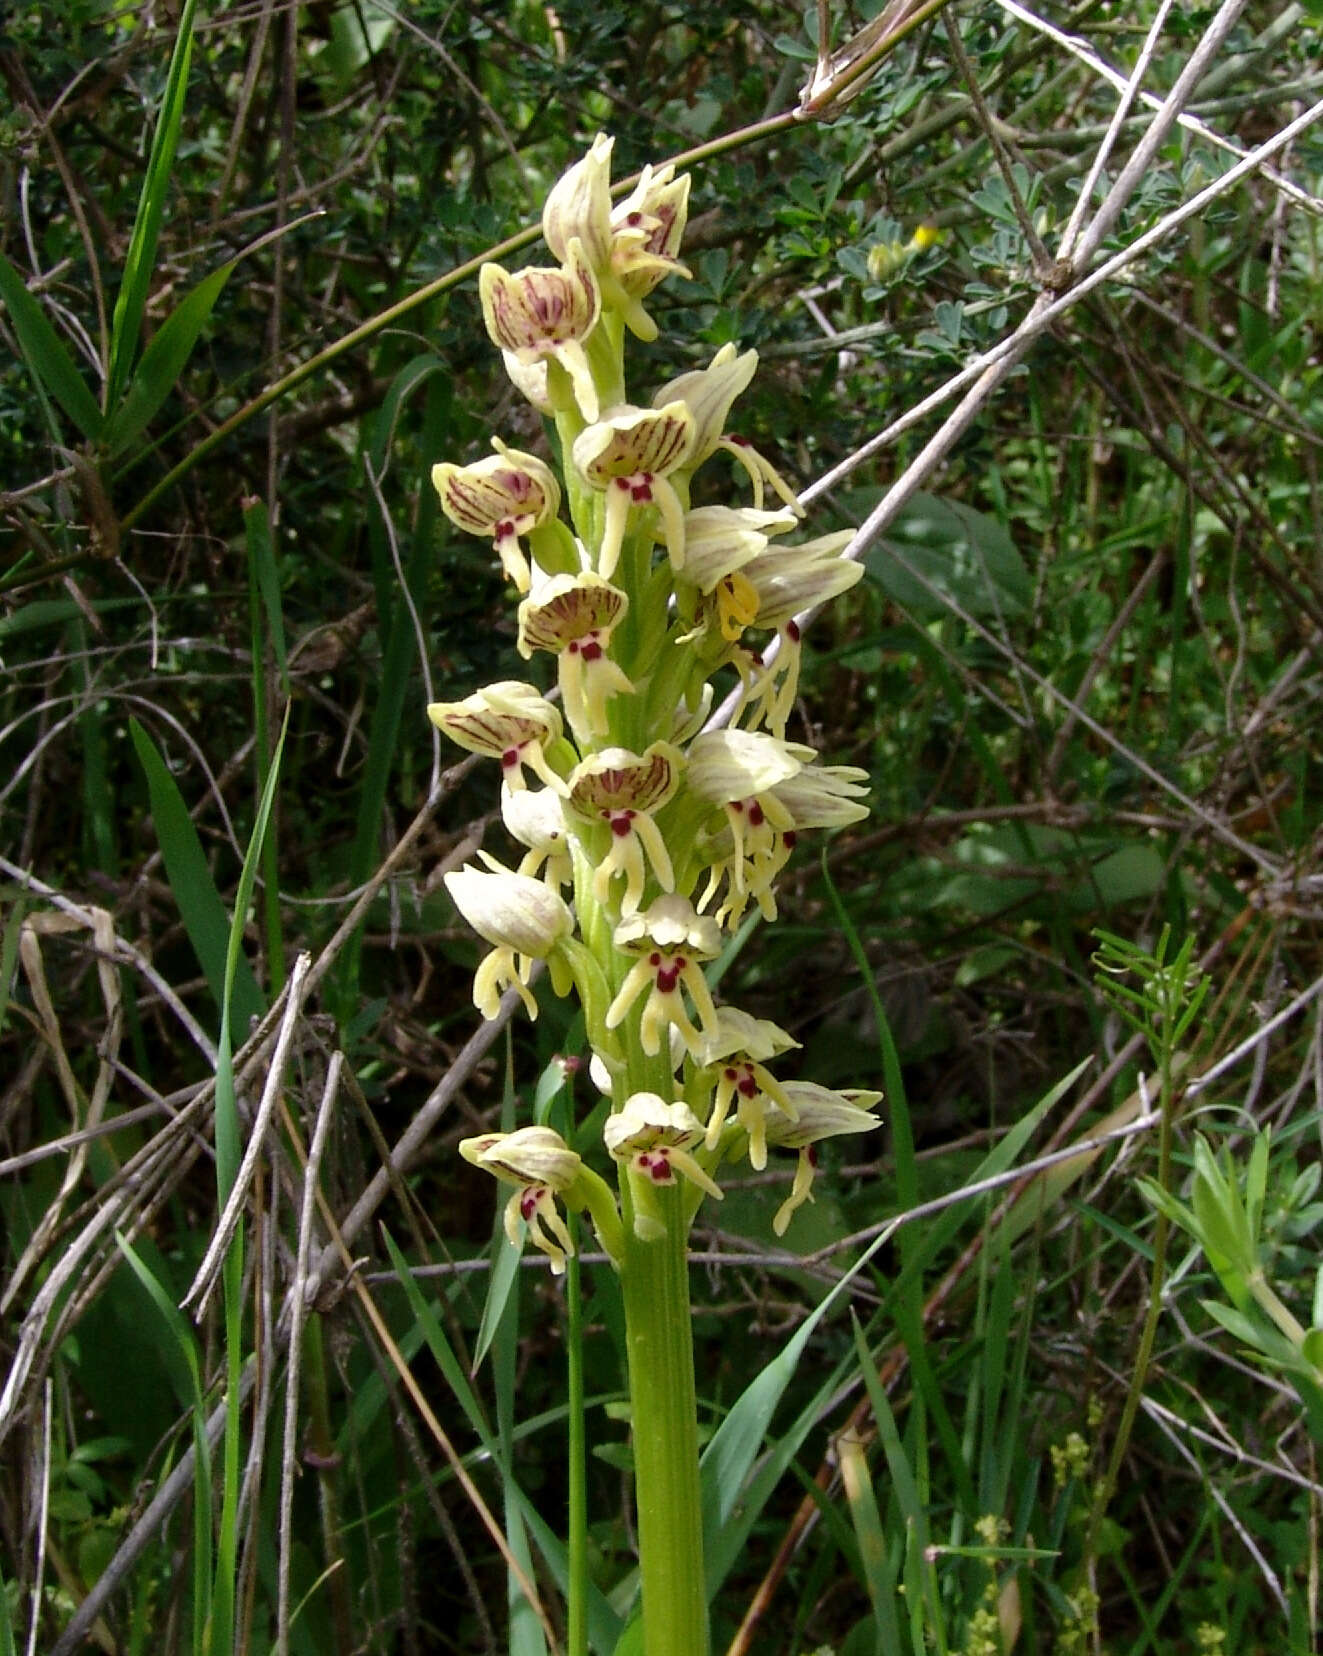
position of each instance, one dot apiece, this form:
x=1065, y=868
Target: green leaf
x=126, y=324
x=9, y=950
x=942, y=549
x=502, y=1278
x=200, y=906
x=262, y=556
x=179, y=1354
x=48, y=362
x=985, y=962
x=1259, y=1336
x=163, y=361
x=1132, y=872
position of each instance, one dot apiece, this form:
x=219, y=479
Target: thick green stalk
x=655, y=1283
x=576, y=1632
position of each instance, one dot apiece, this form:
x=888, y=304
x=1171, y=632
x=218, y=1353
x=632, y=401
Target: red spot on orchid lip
x=591, y=650
x=510, y=758
x=792, y=632
x=756, y=816
x=748, y=1087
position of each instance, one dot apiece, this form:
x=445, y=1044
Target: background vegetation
x=1084, y=673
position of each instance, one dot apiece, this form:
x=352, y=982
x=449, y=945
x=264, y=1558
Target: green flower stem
x=655, y=1283
x=576, y=1633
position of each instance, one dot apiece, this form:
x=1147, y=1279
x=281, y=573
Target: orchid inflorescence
x=662, y=831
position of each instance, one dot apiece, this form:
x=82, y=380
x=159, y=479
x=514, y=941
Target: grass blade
x=200, y=906
x=163, y=361
x=228, y=1137
x=51, y=366
x=181, y=1360
x=131, y=301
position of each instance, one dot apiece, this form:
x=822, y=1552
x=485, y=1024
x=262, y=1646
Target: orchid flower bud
x=579, y=206
x=524, y=920
x=511, y=911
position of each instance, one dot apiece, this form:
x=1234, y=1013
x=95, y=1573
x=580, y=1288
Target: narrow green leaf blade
x=48, y=362
x=200, y=906
x=262, y=557
x=163, y=361
x=126, y=324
